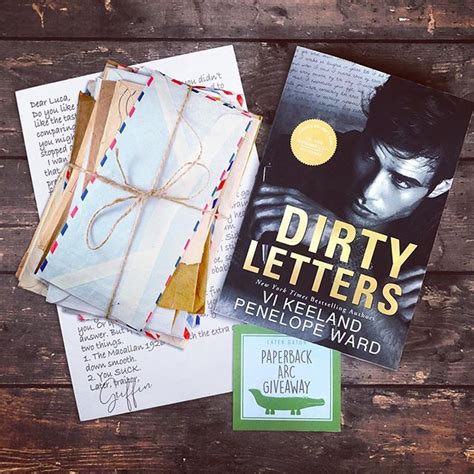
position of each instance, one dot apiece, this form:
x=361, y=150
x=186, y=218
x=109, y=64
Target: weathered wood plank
x=398, y=430
x=18, y=209
x=439, y=350
x=263, y=66
x=246, y=19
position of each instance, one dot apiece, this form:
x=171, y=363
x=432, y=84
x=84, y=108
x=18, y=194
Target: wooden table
x=417, y=419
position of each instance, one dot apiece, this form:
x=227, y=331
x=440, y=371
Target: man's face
x=385, y=186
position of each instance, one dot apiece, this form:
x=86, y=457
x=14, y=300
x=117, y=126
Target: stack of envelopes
x=136, y=215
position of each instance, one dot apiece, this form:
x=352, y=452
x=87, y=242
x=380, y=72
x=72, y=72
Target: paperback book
x=344, y=211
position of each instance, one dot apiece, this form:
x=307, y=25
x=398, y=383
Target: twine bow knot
x=139, y=197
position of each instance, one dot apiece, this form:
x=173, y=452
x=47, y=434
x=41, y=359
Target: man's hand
x=269, y=206
x=410, y=281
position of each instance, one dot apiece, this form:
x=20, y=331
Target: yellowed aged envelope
x=187, y=288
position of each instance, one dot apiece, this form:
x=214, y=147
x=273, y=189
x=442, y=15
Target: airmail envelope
x=211, y=134
x=186, y=289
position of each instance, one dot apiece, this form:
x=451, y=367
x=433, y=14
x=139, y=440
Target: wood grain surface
x=398, y=429
x=417, y=419
x=245, y=19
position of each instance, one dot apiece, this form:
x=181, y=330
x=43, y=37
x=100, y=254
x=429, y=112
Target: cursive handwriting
x=128, y=389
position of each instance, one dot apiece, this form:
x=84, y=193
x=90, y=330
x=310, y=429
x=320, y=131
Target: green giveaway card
x=284, y=384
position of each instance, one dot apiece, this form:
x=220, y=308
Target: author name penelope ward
x=296, y=315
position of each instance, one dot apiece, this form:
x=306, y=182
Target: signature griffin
x=112, y=391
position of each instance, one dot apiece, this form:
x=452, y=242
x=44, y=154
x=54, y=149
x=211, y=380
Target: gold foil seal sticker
x=313, y=142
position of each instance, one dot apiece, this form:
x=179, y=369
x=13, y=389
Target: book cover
x=281, y=383
x=345, y=208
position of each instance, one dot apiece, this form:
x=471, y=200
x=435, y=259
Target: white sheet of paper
x=113, y=370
